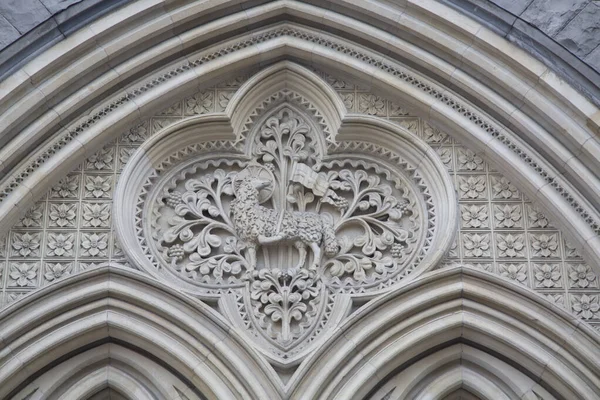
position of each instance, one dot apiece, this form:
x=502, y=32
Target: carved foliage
x=284, y=223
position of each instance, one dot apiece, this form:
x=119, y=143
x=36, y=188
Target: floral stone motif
x=284, y=227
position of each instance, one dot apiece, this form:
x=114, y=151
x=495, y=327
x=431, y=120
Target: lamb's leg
x=251, y=250
x=317, y=256
x=302, y=254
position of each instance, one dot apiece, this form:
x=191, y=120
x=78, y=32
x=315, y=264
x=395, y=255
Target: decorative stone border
x=480, y=121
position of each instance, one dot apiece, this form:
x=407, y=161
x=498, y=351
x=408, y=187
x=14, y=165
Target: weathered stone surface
x=24, y=14
x=514, y=6
x=8, y=33
x=582, y=34
x=593, y=59
x=55, y=6
x=550, y=16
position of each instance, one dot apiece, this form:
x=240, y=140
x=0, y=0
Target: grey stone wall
x=575, y=24
x=27, y=27
x=565, y=34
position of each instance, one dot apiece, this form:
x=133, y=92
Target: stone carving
x=285, y=224
x=259, y=225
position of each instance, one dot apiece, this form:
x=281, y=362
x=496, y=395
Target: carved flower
x=515, y=272
x=348, y=99
x=544, y=245
x=581, y=275
x=23, y=274
x=101, y=160
x=97, y=186
x=547, y=275
x=474, y=216
x=510, y=245
x=66, y=187
x=84, y=266
x=411, y=125
x=396, y=110
x=200, y=103
x=472, y=187
x=585, y=306
x=507, y=216
x=60, y=244
x=62, y=214
x=371, y=104
x=571, y=251
x=537, y=219
x=434, y=135
x=453, y=250
x=96, y=215
x=338, y=83
x=503, y=189
x=137, y=134
x=557, y=299
x=26, y=244
x=124, y=155
x=481, y=266
x=445, y=154
x=224, y=99
x=57, y=270
x=468, y=160
x=476, y=245
x=2, y=247
x=94, y=244
x=33, y=217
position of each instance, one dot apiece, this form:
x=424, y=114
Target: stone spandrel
x=501, y=231
x=72, y=225
x=285, y=224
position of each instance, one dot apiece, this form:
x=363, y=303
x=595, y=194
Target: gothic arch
x=517, y=341
x=104, y=368
x=560, y=176
x=116, y=304
x=449, y=306
x=121, y=72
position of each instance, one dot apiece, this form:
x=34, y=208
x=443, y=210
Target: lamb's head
x=248, y=188
x=260, y=184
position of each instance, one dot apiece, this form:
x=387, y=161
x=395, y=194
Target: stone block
x=593, y=59
x=24, y=14
x=513, y=6
x=8, y=33
x=550, y=16
x=56, y=6
x=582, y=33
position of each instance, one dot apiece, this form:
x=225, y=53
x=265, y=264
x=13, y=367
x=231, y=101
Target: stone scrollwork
x=283, y=226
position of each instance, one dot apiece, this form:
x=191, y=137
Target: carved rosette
x=282, y=226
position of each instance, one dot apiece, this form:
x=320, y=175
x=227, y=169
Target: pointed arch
x=83, y=92
x=455, y=305
x=558, y=172
x=112, y=303
x=123, y=368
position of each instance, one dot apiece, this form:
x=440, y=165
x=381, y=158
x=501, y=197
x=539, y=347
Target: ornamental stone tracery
x=282, y=225
x=496, y=221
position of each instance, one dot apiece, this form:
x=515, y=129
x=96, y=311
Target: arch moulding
x=288, y=200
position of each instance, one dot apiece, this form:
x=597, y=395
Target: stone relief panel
x=70, y=229
x=283, y=225
x=500, y=230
